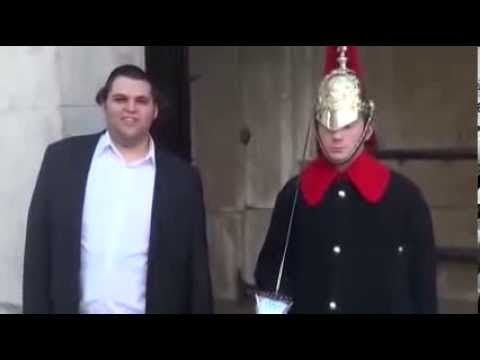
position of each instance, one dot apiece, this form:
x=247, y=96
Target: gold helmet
x=340, y=99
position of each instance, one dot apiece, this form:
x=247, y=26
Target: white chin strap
x=352, y=154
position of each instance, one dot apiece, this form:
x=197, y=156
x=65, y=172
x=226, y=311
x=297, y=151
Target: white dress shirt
x=116, y=231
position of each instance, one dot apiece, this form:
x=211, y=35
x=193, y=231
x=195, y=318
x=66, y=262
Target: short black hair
x=132, y=72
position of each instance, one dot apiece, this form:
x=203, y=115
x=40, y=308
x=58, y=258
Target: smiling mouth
x=129, y=120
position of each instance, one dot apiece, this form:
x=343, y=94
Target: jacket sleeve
x=36, y=258
x=270, y=257
x=423, y=258
x=201, y=294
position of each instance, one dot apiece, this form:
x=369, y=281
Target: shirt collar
x=369, y=176
x=105, y=143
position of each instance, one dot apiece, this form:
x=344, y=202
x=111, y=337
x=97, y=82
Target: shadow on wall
x=7, y=308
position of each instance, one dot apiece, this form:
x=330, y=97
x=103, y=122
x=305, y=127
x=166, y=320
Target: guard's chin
x=338, y=158
x=344, y=158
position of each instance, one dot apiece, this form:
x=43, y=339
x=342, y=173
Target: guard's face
x=129, y=110
x=340, y=144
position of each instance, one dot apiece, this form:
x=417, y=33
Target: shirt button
x=337, y=250
x=342, y=194
x=332, y=305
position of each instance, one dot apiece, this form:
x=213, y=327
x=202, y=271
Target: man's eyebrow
x=142, y=96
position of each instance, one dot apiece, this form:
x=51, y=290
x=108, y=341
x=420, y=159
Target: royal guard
x=348, y=234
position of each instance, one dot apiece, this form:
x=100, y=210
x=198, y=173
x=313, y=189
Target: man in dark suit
x=115, y=224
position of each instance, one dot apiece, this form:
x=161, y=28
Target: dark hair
x=131, y=72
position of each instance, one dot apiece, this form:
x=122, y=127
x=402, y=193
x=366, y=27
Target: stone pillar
x=31, y=119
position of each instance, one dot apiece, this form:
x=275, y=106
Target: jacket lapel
x=158, y=246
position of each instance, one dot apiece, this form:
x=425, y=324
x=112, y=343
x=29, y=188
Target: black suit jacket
x=178, y=277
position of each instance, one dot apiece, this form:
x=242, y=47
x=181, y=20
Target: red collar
x=368, y=175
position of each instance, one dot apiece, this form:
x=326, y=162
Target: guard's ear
x=369, y=133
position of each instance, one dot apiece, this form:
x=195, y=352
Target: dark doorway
x=168, y=65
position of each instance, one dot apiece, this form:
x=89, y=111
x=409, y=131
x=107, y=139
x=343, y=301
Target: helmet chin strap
x=354, y=151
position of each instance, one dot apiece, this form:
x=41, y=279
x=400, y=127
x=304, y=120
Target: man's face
x=129, y=110
x=340, y=144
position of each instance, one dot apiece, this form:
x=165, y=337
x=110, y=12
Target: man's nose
x=131, y=106
x=336, y=135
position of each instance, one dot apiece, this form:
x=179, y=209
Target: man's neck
x=133, y=152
